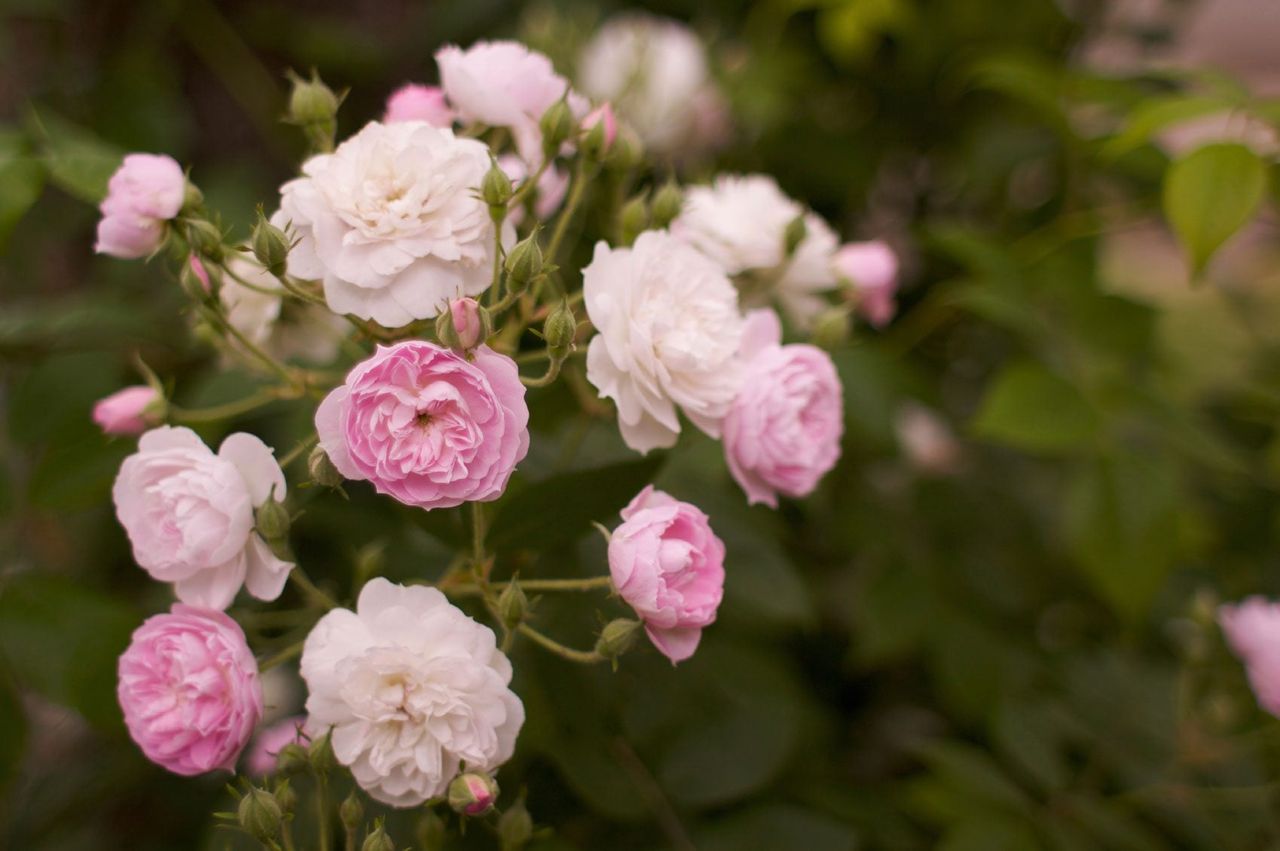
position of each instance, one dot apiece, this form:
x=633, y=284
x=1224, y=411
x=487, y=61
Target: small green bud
x=472, y=794
x=192, y=197
x=601, y=128
x=617, y=637
x=556, y=125
x=793, y=235
x=322, y=470
x=667, y=204
x=831, y=328
x=313, y=106
x=626, y=152
x=633, y=218
x=271, y=519
x=205, y=238
x=351, y=812
x=515, y=828
x=270, y=246
x=513, y=605
x=559, y=330
x=259, y=814
x=430, y=832
x=286, y=797
x=378, y=841
x=320, y=754
x=495, y=189
x=292, y=759
x=524, y=262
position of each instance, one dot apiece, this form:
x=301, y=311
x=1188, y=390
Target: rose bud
x=472, y=794
x=601, y=128
x=132, y=410
x=464, y=325
x=260, y=815
x=144, y=193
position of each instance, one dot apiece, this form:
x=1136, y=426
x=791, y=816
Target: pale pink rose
x=465, y=313
x=668, y=565
x=189, y=514
x=872, y=268
x=782, y=434
x=145, y=192
x=125, y=411
x=602, y=113
x=261, y=759
x=428, y=426
x=505, y=84
x=927, y=442
x=414, y=102
x=1252, y=628
x=548, y=195
x=189, y=688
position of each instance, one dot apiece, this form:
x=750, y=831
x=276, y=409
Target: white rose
x=285, y=329
x=411, y=688
x=391, y=222
x=654, y=71
x=740, y=222
x=189, y=515
x=669, y=330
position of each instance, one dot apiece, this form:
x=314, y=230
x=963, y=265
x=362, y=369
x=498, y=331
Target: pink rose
x=189, y=514
x=414, y=102
x=669, y=566
x=428, y=426
x=145, y=192
x=872, y=268
x=783, y=432
x=1252, y=628
x=269, y=742
x=125, y=411
x=189, y=689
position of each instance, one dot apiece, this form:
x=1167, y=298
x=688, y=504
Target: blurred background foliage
x=992, y=626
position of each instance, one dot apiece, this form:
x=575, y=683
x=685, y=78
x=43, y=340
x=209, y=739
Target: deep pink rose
x=189, y=690
x=145, y=192
x=872, y=268
x=261, y=759
x=783, y=432
x=125, y=411
x=1252, y=629
x=669, y=566
x=414, y=102
x=427, y=425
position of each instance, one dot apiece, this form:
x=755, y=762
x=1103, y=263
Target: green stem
x=592, y=584
x=228, y=409
x=528, y=185
x=570, y=207
x=252, y=348
x=477, y=533
x=322, y=810
x=298, y=451
x=582, y=657
x=310, y=590
x=287, y=831
x=291, y=652
x=553, y=371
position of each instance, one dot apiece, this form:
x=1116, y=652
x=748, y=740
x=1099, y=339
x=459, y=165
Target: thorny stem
x=582, y=657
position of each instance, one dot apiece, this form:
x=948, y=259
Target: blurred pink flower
x=125, y=411
x=872, y=268
x=1252, y=628
x=415, y=102
x=145, y=192
x=267, y=744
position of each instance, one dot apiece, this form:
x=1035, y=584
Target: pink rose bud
x=129, y=411
x=872, y=268
x=414, y=102
x=668, y=565
x=197, y=269
x=1252, y=629
x=782, y=433
x=188, y=685
x=145, y=192
x=426, y=425
x=602, y=117
x=270, y=741
x=467, y=322
x=472, y=794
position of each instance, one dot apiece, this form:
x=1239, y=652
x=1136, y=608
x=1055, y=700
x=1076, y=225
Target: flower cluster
x=398, y=294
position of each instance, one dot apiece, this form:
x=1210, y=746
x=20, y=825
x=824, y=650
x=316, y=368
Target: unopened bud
x=602, y=130
x=259, y=814
x=351, y=812
x=271, y=519
x=270, y=246
x=195, y=280
x=430, y=832
x=192, y=197
x=513, y=605
x=524, y=263
x=667, y=204
x=205, y=238
x=320, y=754
x=464, y=325
x=378, y=841
x=617, y=637
x=793, y=235
x=322, y=470
x=292, y=759
x=559, y=330
x=495, y=189
x=633, y=218
x=472, y=794
x=286, y=798
x=515, y=828
x=626, y=152
x=313, y=106
x=556, y=126
x=831, y=328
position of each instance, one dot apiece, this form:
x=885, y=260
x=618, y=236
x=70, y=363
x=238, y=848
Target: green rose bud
x=259, y=814
x=351, y=812
x=496, y=191
x=430, y=832
x=320, y=754
x=205, y=238
x=313, y=106
x=292, y=759
x=831, y=329
x=793, y=235
x=556, y=125
x=524, y=262
x=271, y=519
x=617, y=637
x=378, y=841
x=270, y=246
x=322, y=470
x=515, y=828
x=667, y=204
x=559, y=330
x=513, y=605
x=286, y=797
x=633, y=218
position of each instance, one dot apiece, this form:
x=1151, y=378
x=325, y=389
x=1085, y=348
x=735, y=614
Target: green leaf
x=1210, y=194
x=1154, y=115
x=21, y=180
x=62, y=640
x=776, y=826
x=893, y=613
x=561, y=508
x=1032, y=409
x=965, y=767
x=79, y=162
